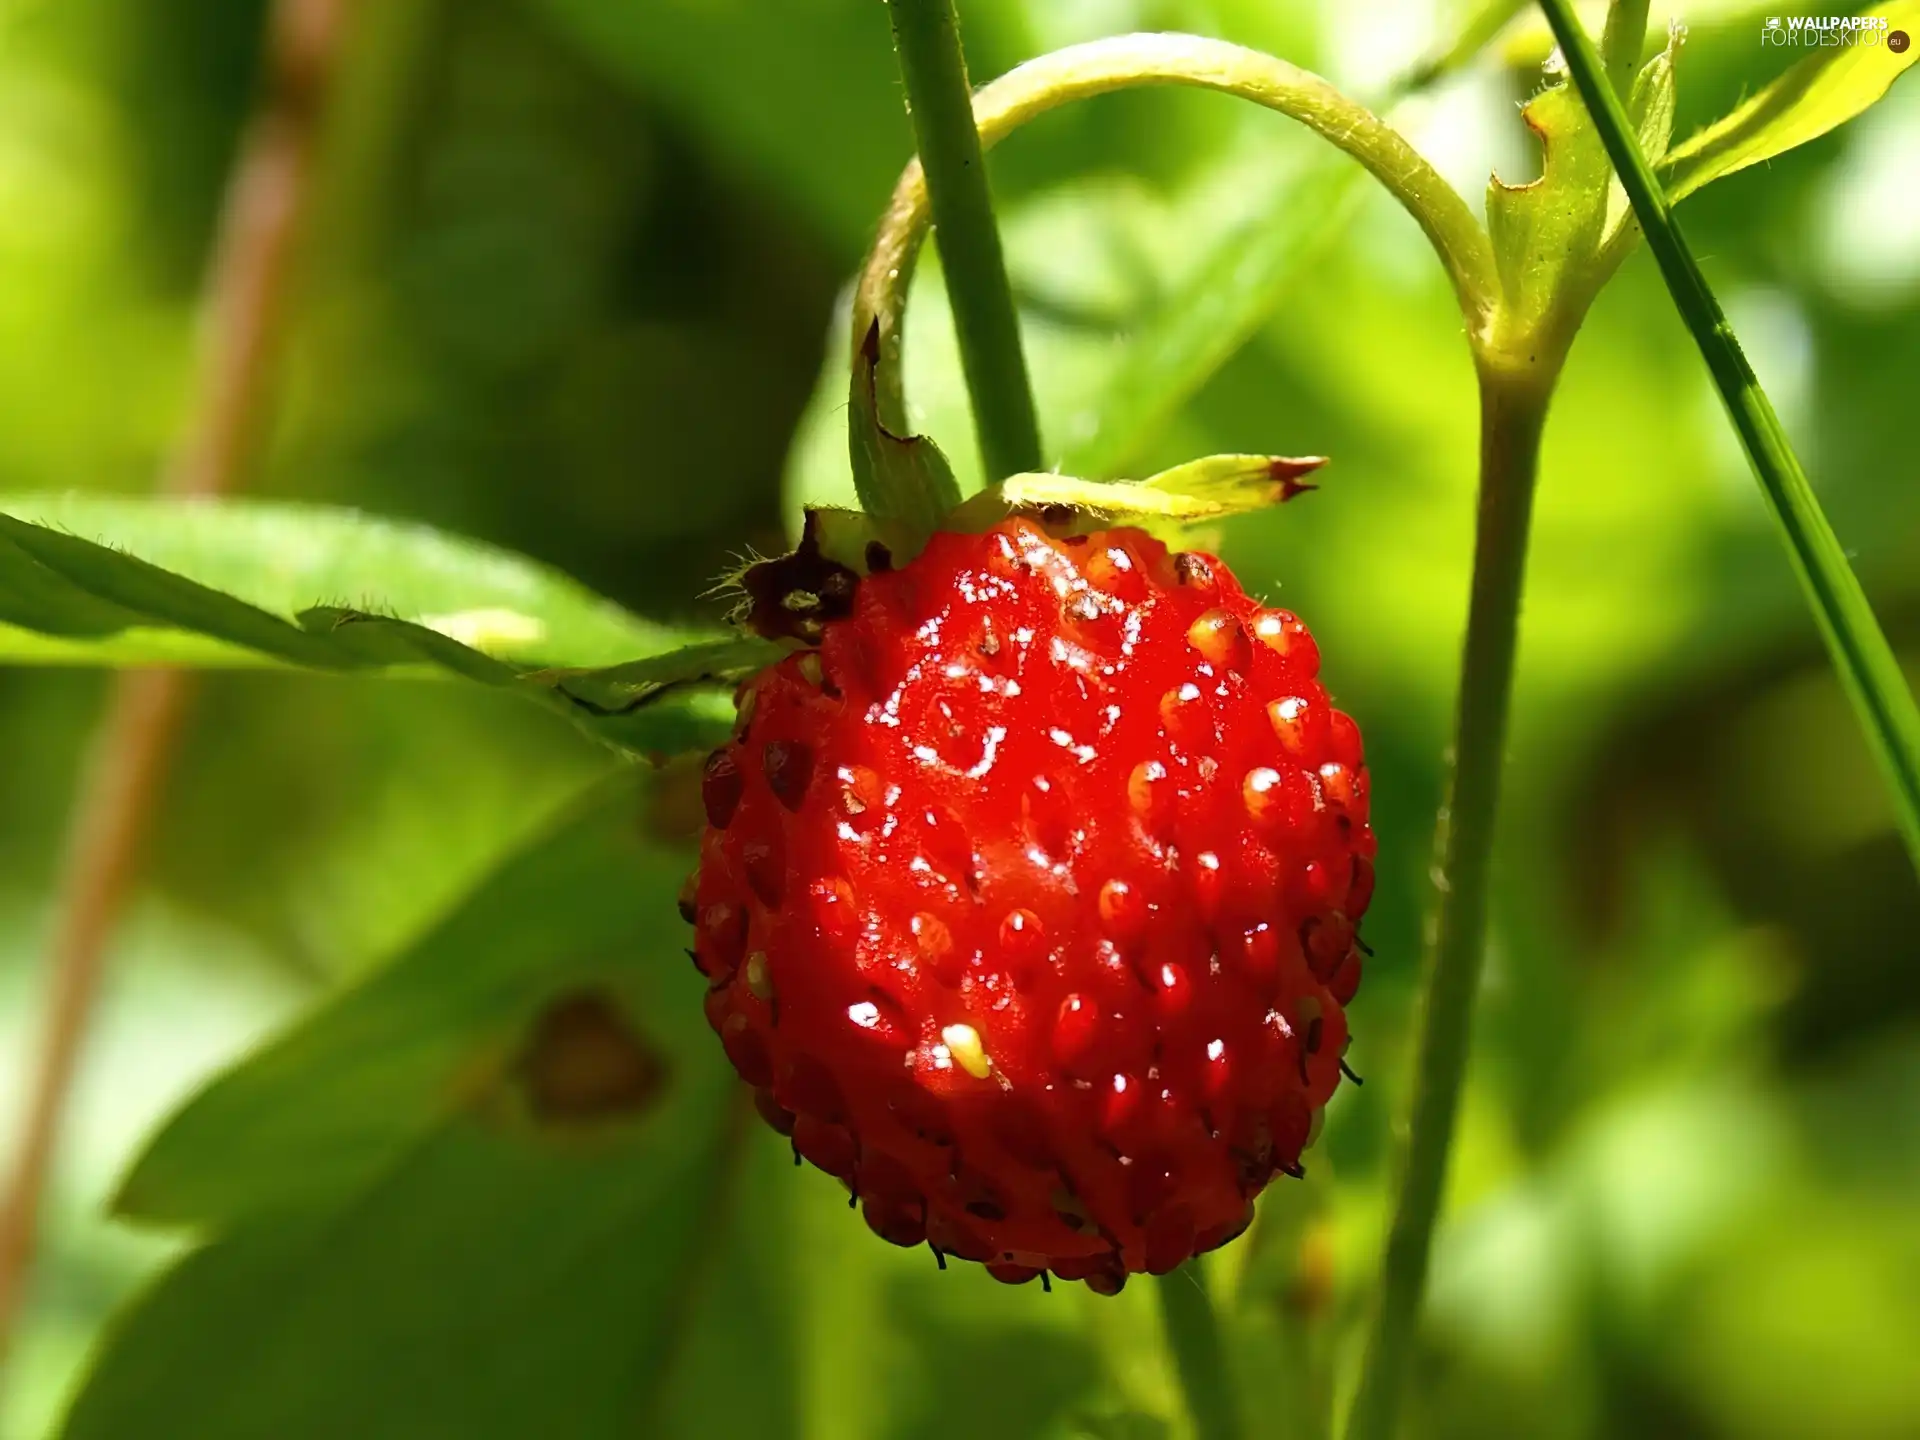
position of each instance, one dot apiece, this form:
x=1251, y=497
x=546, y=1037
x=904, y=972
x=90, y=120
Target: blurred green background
x=571, y=286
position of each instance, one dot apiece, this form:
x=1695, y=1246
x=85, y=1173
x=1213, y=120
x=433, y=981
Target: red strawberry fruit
x=1027, y=900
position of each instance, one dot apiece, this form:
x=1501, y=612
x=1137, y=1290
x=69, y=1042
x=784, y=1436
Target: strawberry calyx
x=793, y=597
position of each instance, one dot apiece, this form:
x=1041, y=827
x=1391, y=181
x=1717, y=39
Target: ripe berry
x=1027, y=900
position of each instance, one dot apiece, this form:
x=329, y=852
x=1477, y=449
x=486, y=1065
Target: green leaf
x=1199, y=491
x=282, y=558
x=474, y=1196
x=402, y=1233
x=1825, y=90
x=480, y=1289
x=1650, y=107
x=904, y=480
x=476, y=612
x=1233, y=484
x=745, y=1304
x=79, y=588
x=1547, y=233
x=428, y=1036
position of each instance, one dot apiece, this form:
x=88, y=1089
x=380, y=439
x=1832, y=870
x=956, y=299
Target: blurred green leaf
x=473, y=1196
x=406, y=1048
x=425, y=1215
x=1862, y=656
x=1825, y=90
x=745, y=1306
x=1529, y=40
x=101, y=604
x=1837, y=1293
x=1230, y=294
x=743, y=74
x=1476, y=30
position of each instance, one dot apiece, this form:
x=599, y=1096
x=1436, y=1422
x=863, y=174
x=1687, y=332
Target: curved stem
x=1128, y=61
x=940, y=103
x=1513, y=407
x=1193, y=1333
x=1868, y=669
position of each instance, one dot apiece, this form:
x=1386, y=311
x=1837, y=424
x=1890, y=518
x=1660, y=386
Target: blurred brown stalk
x=248, y=286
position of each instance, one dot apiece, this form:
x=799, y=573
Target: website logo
x=1809, y=31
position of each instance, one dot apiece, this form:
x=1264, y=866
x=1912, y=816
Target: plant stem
x=122, y=778
x=1124, y=62
x=940, y=103
x=1193, y=1331
x=246, y=301
x=1865, y=662
x=1622, y=41
x=1513, y=406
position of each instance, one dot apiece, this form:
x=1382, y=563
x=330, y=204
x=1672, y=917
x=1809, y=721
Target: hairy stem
x=1868, y=669
x=1127, y=61
x=1193, y=1332
x=940, y=102
x=1513, y=406
x=246, y=300
x=1622, y=41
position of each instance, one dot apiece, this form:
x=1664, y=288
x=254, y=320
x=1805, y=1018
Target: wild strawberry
x=1028, y=898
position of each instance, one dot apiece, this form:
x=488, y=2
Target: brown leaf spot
x=584, y=1063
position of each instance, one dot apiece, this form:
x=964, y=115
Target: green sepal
x=1651, y=107
x=1195, y=493
x=903, y=481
